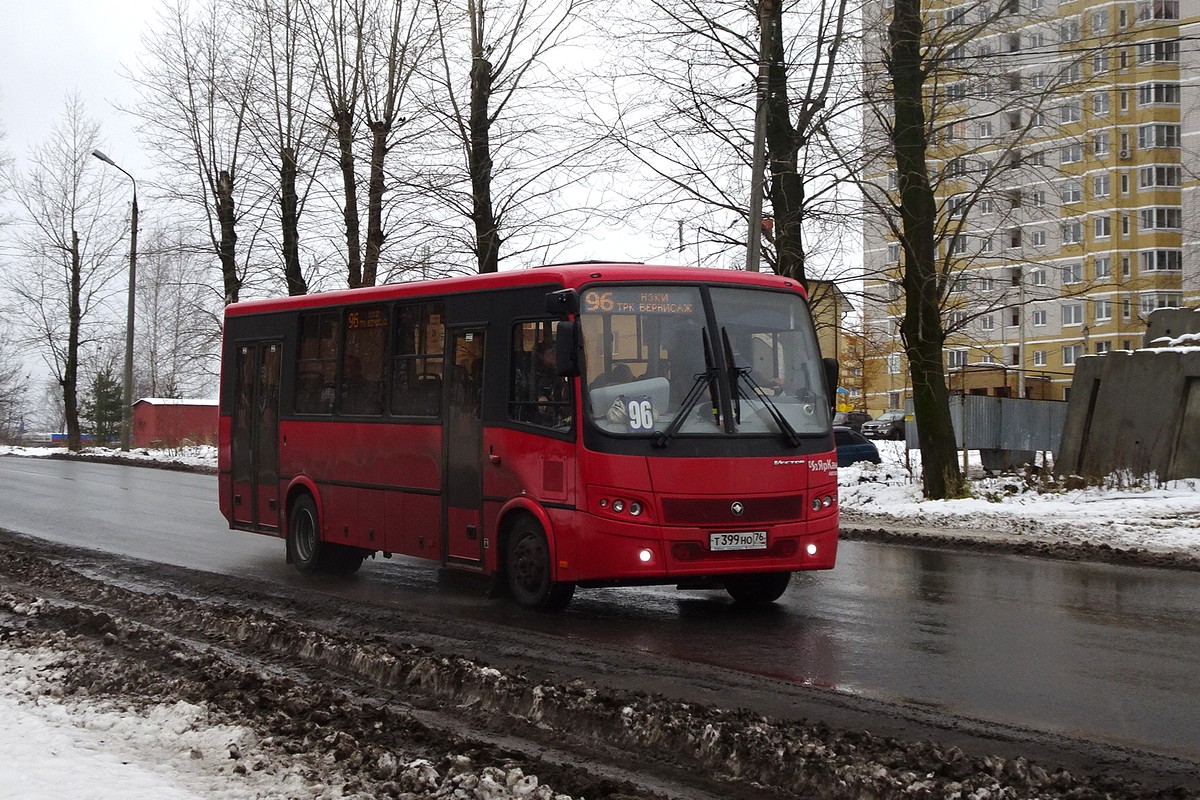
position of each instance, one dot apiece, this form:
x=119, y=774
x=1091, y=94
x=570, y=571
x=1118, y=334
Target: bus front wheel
x=529, y=572
x=305, y=547
x=757, y=588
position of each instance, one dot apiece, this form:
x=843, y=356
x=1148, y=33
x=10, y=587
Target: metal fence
x=1005, y=424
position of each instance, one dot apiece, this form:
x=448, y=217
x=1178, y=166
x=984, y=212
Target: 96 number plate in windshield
x=739, y=540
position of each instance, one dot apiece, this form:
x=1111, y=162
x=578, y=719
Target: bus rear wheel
x=757, y=588
x=308, y=552
x=527, y=567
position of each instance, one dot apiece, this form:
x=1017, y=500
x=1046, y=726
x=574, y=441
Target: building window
x=1100, y=143
x=893, y=253
x=1158, y=135
x=987, y=284
x=1072, y=192
x=956, y=167
x=1158, y=93
x=1157, y=9
x=1100, y=106
x=1039, y=238
x=1072, y=232
x=987, y=322
x=987, y=206
x=1072, y=273
x=1100, y=21
x=1038, y=277
x=1124, y=224
x=1072, y=153
x=1014, y=237
x=1039, y=318
x=1103, y=310
x=1037, y=198
x=1071, y=354
x=1103, y=267
x=1166, y=176
x=893, y=363
x=956, y=91
x=1161, y=260
x=1039, y=358
x=1071, y=111
x=1101, y=185
x=1148, y=52
x=958, y=244
x=956, y=359
x=1072, y=314
x=1161, y=218
x=1125, y=266
x=1103, y=347
x=1102, y=227
x=1151, y=301
x=985, y=129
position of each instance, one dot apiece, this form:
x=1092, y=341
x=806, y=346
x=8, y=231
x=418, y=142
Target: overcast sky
x=50, y=48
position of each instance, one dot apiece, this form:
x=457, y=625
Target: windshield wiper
x=702, y=380
x=739, y=377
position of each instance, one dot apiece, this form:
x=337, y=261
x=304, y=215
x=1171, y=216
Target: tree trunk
x=922, y=326
x=70, y=379
x=226, y=247
x=487, y=238
x=785, y=184
x=345, y=136
x=289, y=214
x=375, y=189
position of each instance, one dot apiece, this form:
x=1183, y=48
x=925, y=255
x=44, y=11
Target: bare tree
x=197, y=81
x=15, y=383
x=512, y=152
x=180, y=338
x=692, y=122
x=68, y=249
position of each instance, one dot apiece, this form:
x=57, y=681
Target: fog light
x=618, y=506
x=644, y=556
x=811, y=549
x=635, y=509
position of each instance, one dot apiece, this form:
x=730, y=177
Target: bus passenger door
x=255, y=436
x=462, y=530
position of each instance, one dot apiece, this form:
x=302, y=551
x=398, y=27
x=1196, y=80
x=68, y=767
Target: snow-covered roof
x=175, y=401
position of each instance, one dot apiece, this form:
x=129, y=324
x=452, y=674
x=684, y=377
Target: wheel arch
x=300, y=485
x=507, y=519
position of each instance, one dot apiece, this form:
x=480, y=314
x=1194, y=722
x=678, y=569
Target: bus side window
x=316, y=364
x=364, y=361
x=417, y=359
x=537, y=393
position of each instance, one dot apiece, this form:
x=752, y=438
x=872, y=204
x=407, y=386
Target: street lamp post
x=127, y=380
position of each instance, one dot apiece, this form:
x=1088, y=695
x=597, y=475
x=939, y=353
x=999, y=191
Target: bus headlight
x=645, y=555
x=635, y=509
x=618, y=506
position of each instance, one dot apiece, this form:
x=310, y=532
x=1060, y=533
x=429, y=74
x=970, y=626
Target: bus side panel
x=520, y=462
x=379, y=482
x=224, y=467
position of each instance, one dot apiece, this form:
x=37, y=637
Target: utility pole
x=754, y=238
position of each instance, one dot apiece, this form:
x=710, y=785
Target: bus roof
x=572, y=275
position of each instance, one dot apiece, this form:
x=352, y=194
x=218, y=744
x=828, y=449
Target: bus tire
x=757, y=588
x=304, y=543
x=528, y=571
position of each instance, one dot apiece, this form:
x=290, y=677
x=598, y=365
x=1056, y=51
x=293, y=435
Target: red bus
x=570, y=425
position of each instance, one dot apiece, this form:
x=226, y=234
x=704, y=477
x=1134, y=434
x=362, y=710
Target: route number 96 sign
x=639, y=414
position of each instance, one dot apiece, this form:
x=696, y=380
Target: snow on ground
x=95, y=750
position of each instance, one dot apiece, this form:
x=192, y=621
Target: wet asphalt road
x=1099, y=651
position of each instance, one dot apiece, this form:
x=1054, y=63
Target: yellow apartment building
x=1064, y=140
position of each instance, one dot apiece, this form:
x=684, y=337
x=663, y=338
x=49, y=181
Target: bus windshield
x=660, y=361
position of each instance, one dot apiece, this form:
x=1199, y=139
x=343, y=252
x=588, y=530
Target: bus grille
x=718, y=511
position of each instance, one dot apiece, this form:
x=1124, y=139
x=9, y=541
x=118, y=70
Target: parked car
x=889, y=425
x=853, y=447
x=851, y=419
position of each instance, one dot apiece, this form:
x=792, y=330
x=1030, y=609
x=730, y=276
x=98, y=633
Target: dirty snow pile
x=89, y=749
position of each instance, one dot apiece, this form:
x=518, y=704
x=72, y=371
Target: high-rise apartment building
x=1064, y=141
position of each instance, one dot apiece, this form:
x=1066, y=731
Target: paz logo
x=737, y=508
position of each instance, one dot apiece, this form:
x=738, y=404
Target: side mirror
x=562, y=303
x=831, y=379
x=566, y=347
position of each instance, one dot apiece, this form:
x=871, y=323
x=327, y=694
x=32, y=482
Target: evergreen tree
x=103, y=409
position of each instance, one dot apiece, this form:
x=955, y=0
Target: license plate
x=739, y=540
